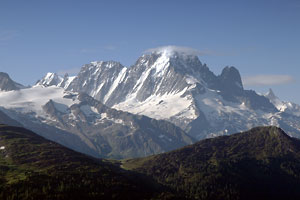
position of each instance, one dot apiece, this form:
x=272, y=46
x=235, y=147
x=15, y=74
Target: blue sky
x=259, y=37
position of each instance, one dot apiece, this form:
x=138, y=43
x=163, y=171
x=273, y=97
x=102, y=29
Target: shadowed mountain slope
x=262, y=163
x=32, y=167
x=6, y=84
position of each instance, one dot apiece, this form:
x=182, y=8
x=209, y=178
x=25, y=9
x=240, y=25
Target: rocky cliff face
x=6, y=84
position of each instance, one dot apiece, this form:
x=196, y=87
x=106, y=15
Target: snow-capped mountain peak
x=180, y=58
x=171, y=83
x=283, y=106
x=270, y=95
x=51, y=79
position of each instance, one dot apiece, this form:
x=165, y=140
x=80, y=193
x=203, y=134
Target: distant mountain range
x=262, y=163
x=177, y=87
x=162, y=102
x=84, y=124
x=161, y=105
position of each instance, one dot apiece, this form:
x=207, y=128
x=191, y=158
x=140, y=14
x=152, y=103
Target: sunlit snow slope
x=80, y=122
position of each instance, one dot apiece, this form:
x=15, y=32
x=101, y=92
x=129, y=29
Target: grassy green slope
x=32, y=167
x=263, y=163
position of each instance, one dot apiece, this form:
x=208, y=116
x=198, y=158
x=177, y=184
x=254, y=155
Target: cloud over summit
x=179, y=49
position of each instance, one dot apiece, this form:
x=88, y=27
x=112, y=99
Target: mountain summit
x=6, y=84
x=283, y=106
x=171, y=83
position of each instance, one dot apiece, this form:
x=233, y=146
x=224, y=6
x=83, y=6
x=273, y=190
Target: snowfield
x=33, y=99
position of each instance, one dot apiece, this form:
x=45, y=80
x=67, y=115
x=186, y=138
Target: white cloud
x=69, y=71
x=187, y=51
x=171, y=49
x=265, y=80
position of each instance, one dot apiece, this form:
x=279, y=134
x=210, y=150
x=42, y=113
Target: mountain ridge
x=80, y=122
x=7, y=84
x=261, y=163
x=177, y=87
x=35, y=168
